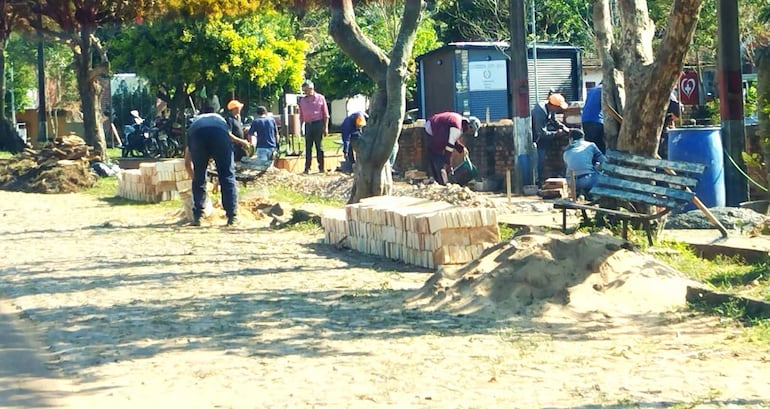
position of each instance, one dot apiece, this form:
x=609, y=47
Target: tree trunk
x=389, y=72
x=613, y=93
x=648, y=77
x=89, y=91
x=762, y=61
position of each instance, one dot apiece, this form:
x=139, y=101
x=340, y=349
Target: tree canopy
x=184, y=55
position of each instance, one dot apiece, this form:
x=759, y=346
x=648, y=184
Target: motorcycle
x=157, y=141
x=168, y=136
x=137, y=141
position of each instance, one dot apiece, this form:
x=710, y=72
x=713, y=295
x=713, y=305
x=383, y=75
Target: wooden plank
x=682, y=195
x=679, y=166
x=634, y=197
x=646, y=174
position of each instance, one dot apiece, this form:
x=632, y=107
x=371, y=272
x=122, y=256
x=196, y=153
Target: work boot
x=233, y=220
x=196, y=221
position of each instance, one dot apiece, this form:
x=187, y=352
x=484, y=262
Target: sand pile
x=551, y=273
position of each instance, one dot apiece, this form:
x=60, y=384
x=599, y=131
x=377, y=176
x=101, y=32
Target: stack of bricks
x=154, y=181
x=554, y=188
x=414, y=230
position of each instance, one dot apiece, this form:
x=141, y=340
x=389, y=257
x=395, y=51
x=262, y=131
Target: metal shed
x=472, y=78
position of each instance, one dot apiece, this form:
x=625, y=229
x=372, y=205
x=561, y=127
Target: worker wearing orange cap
x=546, y=129
x=233, y=118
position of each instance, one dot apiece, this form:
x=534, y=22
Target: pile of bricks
x=554, y=188
x=154, y=182
x=417, y=231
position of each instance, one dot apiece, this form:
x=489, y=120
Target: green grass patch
x=106, y=190
x=114, y=153
x=725, y=274
x=728, y=275
x=309, y=227
x=5, y=155
x=506, y=231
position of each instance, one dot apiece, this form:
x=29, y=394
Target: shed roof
x=499, y=45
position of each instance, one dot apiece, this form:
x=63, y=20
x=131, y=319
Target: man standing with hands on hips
x=314, y=118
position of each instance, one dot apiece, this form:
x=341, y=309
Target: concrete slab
x=710, y=244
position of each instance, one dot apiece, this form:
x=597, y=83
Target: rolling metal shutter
x=552, y=73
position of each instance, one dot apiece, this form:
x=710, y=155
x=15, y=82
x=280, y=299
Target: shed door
x=552, y=73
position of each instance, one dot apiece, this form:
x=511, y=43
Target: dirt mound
x=61, y=166
x=551, y=273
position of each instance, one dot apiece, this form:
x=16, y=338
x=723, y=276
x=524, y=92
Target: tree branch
x=352, y=41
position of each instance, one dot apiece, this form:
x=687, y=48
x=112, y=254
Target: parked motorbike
x=136, y=140
x=168, y=136
x=157, y=141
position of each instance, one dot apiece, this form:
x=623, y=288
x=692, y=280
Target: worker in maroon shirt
x=445, y=130
x=314, y=119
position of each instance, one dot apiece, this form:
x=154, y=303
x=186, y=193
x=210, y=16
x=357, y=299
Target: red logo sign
x=688, y=88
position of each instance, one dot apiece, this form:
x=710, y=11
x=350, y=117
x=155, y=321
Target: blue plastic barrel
x=526, y=164
x=701, y=145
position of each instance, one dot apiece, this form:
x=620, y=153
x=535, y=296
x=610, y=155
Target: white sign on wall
x=487, y=75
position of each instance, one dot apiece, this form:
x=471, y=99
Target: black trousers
x=314, y=136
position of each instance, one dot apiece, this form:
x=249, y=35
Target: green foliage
x=336, y=75
x=750, y=99
x=124, y=100
x=186, y=55
x=557, y=21
x=506, y=231
x=18, y=56
x=21, y=52
x=217, y=8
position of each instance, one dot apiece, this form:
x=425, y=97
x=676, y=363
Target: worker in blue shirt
x=351, y=128
x=593, y=118
x=210, y=138
x=581, y=159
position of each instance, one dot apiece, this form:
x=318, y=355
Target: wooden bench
x=628, y=179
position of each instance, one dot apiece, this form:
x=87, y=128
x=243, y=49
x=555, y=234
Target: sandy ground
x=129, y=309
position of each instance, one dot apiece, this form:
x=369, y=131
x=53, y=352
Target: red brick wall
x=492, y=151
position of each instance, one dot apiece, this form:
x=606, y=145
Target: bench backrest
x=642, y=179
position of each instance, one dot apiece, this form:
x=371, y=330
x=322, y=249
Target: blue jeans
x=541, y=151
x=213, y=143
x=584, y=183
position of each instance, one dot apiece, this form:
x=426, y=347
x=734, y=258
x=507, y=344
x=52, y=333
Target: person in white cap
x=546, y=129
x=233, y=118
x=445, y=130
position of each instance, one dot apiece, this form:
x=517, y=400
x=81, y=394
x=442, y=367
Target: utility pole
x=42, y=134
x=730, y=80
x=524, y=152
